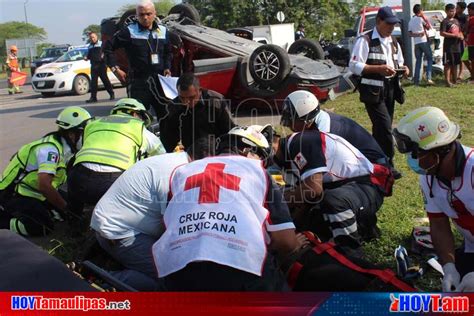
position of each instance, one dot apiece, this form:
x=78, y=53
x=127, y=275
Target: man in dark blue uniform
x=149, y=54
x=98, y=68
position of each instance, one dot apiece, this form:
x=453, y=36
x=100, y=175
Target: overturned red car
x=250, y=74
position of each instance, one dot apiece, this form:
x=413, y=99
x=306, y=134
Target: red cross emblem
x=210, y=181
x=421, y=128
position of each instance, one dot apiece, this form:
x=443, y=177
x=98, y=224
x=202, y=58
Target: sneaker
x=396, y=174
x=91, y=101
x=430, y=82
x=112, y=97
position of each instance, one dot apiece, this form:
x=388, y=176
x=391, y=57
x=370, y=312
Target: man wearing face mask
x=194, y=114
x=446, y=169
x=29, y=184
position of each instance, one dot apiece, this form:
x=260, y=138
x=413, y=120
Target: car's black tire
x=80, y=85
x=48, y=94
x=252, y=87
x=308, y=48
x=269, y=65
x=186, y=10
x=126, y=18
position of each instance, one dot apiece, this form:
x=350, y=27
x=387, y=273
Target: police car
x=69, y=73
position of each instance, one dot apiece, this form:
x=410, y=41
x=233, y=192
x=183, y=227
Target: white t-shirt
x=151, y=145
x=136, y=201
x=443, y=199
x=416, y=25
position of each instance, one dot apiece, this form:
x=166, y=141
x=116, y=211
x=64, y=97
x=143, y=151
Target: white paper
x=169, y=86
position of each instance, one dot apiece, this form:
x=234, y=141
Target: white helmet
x=243, y=137
x=426, y=128
x=301, y=105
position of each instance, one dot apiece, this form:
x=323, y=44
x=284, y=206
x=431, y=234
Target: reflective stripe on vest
x=26, y=182
x=376, y=56
x=372, y=82
x=114, y=141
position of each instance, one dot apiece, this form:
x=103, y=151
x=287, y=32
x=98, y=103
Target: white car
x=69, y=73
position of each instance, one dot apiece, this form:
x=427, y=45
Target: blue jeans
x=420, y=50
x=135, y=254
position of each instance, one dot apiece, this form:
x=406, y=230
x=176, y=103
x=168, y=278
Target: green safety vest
x=26, y=182
x=113, y=140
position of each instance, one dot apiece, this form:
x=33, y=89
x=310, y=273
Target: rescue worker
x=149, y=54
x=29, y=184
x=12, y=65
x=377, y=58
x=446, y=168
x=111, y=145
x=337, y=191
x=303, y=103
x=128, y=218
x=98, y=68
x=193, y=114
x=225, y=221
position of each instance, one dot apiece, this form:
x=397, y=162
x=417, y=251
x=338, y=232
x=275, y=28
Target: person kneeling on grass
x=429, y=139
x=128, y=219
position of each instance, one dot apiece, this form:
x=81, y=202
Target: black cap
x=388, y=15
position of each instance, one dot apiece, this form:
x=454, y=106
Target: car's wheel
x=269, y=65
x=308, y=48
x=80, y=85
x=47, y=94
x=128, y=17
x=188, y=11
x=249, y=84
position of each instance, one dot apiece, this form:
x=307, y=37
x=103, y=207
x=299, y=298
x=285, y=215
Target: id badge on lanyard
x=155, y=60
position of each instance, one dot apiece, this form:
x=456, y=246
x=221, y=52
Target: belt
x=86, y=170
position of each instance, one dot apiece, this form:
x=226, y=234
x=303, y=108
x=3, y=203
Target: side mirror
x=350, y=33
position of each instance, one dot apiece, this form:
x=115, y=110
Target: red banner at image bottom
x=72, y=303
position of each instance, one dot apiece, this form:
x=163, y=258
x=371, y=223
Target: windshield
x=52, y=52
x=73, y=55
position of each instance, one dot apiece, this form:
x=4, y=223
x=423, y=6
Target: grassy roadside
x=398, y=213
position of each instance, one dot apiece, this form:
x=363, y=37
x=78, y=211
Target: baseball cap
x=387, y=15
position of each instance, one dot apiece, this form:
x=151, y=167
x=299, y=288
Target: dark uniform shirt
x=139, y=44
x=209, y=117
x=358, y=137
x=94, y=53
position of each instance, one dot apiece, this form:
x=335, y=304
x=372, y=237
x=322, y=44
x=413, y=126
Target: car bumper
x=52, y=82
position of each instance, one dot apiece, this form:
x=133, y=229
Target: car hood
x=231, y=45
x=53, y=66
x=45, y=60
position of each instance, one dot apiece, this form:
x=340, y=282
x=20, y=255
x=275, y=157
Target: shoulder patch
x=52, y=157
x=300, y=161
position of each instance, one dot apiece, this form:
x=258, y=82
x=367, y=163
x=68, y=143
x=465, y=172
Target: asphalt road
x=28, y=116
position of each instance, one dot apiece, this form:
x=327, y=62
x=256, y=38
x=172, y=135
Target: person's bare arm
x=52, y=195
x=442, y=238
x=310, y=189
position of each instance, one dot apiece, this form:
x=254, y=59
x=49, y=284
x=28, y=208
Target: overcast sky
x=64, y=20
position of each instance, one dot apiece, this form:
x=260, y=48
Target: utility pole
x=409, y=55
x=27, y=32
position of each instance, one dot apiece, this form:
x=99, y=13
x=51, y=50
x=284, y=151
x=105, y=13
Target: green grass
x=397, y=215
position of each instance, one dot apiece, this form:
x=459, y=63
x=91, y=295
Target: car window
x=370, y=20
x=73, y=55
x=435, y=19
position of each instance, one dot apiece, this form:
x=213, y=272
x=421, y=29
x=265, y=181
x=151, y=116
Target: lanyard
x=149, y=45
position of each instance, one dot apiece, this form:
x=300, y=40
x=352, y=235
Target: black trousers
x=381, y=116
x=346, y=213
x=100, y=70
x=32, y=213
x=87, y=187
x=464, y=261
x=149, y=92
x=210, y=276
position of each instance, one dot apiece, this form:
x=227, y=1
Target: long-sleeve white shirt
x=361, y=52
